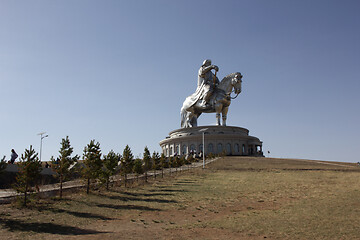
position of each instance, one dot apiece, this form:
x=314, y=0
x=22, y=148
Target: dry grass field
x=233, y=198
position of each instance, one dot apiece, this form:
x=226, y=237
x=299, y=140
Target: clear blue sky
x=118, y=72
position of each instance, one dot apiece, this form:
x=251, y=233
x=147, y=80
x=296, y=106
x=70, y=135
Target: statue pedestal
x=230, y=140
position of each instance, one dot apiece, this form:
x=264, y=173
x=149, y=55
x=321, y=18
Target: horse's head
x=236, y=82
x=231, y=82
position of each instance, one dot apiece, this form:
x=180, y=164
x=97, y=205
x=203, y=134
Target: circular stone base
x=218, y=139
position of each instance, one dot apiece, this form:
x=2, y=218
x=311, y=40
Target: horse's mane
x=228, y=78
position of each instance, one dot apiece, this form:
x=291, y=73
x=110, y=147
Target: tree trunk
x=61, y=185
x=25, y=194
x=146, y=177
x=107, y=184
x=88, y=186
x=162, y=172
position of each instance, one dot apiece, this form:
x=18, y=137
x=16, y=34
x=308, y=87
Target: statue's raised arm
x=210, y=95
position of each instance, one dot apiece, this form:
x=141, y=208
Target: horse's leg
x=218, y=109
x=194, y=121
x=190, y=119
x=224, y=115
x=195, y=118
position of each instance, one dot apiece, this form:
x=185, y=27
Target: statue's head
x=206, y=62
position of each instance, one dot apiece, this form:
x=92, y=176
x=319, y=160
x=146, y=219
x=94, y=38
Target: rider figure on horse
x=207, y=81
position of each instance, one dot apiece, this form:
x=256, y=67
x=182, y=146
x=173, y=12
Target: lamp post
x=41, y=138
x=203, y=140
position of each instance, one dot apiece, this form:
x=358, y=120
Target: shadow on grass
x=18, y=225
x=147, y=194
x=186, y=184
x=126, y=199
x=128, y=207
x=79, y=214
x=186, y=181
x=168, y=190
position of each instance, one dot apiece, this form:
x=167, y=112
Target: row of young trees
x=93, y=168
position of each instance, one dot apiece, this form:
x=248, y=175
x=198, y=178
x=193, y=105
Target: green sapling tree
x=171, y=163
x=110, y=163
x=3, y=165
x=179, y=162
x=138, y=168
x=163, y=163
x=156, y=162
x=63, y=163
x=92, y=163
x=147, y=162
x=29, y=173
x=127, y=163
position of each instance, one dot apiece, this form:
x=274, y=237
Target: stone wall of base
x=211, y=139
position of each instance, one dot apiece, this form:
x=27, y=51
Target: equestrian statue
x=211, y=95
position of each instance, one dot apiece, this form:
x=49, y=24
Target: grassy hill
x=233, y=198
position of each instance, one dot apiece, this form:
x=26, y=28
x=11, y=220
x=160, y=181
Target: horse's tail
x=183, y=116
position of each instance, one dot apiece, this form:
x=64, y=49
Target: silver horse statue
x=219, y=102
